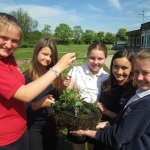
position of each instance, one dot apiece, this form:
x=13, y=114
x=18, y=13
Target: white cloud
x=115, y=4
x=91, y=7
x=52, y=16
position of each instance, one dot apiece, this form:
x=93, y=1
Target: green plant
x=74, y=113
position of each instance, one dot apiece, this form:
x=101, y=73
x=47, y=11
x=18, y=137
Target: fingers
x=67, y=80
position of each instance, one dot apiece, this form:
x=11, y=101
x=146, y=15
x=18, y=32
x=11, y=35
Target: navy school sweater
x=41, y=116
x=131, y=129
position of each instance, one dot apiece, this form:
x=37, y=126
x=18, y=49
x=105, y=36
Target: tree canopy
x=63, y=34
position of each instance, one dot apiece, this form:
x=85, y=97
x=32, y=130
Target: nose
x=119, y=71
x=48, y=58
x=95, y=61
x=140, y=77
x=8, y=44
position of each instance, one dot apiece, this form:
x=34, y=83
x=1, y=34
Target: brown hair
x=109, y=83
x=97, y=45
x=6, y=20
x=34, y=71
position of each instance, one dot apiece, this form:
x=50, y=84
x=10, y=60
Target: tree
x=100, y=36
x=47, y=31
x=88, y=36
x=121, y=34
x=109, y=38
x=63, y=33
x=26, y=22
x=77, y=34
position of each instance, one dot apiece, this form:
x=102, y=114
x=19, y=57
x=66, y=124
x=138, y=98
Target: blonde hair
x=6, y=20
x=143, y=54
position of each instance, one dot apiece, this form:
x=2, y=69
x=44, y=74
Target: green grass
x=80, y=50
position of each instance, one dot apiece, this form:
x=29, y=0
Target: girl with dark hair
x=118, y=88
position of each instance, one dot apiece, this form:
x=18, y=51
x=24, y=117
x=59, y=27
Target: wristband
x=55, y=71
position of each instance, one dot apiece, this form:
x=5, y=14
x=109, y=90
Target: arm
x=105, y=111
x=24, y=92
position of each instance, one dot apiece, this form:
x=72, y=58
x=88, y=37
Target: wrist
x=54, y=71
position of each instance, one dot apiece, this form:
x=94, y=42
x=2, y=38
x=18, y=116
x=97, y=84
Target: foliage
x=100, y=36
x=109, y=38
x=26, y=22
x=77, y=34
x=63, y=33
x=74, y=113
x=88, y=36
x=46, y=32
x=121, y=34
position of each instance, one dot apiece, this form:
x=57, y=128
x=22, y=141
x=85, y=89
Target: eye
x=3, y=37
x=15, y=41
x=124, y=68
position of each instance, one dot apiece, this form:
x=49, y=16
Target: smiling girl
x=41, y=125
x=88, y=79
x=13, y=91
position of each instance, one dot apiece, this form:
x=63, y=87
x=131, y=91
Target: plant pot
x=68, y=119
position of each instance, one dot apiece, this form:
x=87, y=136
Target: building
x=140, y=38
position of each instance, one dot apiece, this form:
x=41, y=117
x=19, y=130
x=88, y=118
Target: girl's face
x=142, y=74
x=96, y=60
x=9, y=40
x=45, y=56
x=121, y=69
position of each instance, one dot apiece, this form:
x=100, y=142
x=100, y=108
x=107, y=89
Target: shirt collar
x=123, y=85
x=142, y=93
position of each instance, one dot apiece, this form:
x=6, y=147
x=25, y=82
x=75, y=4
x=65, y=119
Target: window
x=137, y=41
x=132, y=41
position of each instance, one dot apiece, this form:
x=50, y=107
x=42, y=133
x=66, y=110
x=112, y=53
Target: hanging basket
x=68, y=119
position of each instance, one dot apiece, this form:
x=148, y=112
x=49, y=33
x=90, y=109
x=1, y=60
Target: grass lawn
x=80, y=50
x=81, y=58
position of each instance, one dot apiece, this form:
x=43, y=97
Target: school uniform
x=114, y=101
x=12, y=111
x=41, y=124
x=89, y=86
x=131, y=129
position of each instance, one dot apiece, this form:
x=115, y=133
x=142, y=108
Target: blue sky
x=96, y=15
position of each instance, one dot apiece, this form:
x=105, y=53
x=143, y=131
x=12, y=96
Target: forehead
x=46, y=50
x=11, y=31
x=121, y=61
x=96, y=52
x=143, y=64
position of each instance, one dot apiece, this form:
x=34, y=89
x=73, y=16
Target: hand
x=102, y=107
x=65, y=62
x=103, y=125
x=66, y=80
x=77, y=133
x=46, y=101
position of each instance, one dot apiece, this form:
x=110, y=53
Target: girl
x=13, y=91
x=87, y=79
x=118, y=88
x=41, y=125
x=131, y=129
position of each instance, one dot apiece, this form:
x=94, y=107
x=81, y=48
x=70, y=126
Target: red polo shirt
x=12, y=111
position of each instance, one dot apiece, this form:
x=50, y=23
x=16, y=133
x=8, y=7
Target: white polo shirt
x=88, y=84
